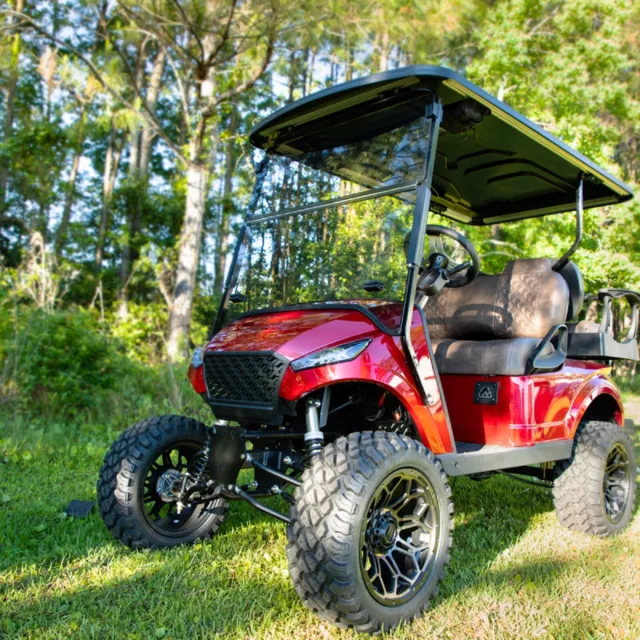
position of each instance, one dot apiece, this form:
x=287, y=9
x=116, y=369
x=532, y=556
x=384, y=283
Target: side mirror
x=237, y=297
x=373, y=285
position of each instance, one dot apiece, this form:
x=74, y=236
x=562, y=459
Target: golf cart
x=361, y=358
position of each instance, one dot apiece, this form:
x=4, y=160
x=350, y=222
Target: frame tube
x=416, y=244
x=243, y=241
x=239, y=254
x=562, y=262
x=274, y=472
x=335, y=202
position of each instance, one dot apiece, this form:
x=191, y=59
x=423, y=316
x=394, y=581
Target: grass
x=515, y=572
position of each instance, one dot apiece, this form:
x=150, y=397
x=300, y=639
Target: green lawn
x=515, y=573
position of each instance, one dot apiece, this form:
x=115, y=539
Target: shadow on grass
x=235, y=584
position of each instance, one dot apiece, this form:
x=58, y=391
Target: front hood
x=294, y=333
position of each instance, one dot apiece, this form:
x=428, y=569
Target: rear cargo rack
x=598, y=342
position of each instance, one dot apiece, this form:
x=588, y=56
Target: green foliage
x=141, y=331
x=59, y=360
x=569, y=65
x=565, y=64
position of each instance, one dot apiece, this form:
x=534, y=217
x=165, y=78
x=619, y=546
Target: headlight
x=342, y=353
x=196, y=357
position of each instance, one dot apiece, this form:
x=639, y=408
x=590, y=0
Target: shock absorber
x=313, y=438
x=202, y=460
x=200, y=464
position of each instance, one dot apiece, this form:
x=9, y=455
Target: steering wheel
x=440, y=270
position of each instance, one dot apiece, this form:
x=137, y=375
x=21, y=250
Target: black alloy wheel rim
x=617, y=483
x=163, y=516
x=399, y=538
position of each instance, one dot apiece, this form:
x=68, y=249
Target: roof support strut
x=415, y=251
x=562, y=262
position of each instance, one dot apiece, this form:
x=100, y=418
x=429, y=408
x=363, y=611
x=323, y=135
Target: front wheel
x=370, y=531
x=595, y=489
x=135, y=487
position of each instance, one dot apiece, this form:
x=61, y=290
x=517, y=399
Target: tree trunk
x=139, y=161
x=63, y=227
x=384, y=51
x=198, y=178
x=133, y=199
x=190, y=239
x=227, y=204
x=10, y=100
x=111, y=163
x=153, y=92
x=192, y=225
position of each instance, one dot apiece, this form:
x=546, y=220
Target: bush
x=64, y=366
x=142, y=331
x=58, y=359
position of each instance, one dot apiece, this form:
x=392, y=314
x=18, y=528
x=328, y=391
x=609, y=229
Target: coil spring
x=202, y=460
x=313, y=449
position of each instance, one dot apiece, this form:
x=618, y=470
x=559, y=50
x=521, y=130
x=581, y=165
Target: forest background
x=125, y=171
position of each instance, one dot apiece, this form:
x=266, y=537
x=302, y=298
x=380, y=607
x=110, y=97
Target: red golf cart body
x=530, y=409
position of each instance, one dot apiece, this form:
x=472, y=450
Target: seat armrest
x=538, y=363
x=607, y=296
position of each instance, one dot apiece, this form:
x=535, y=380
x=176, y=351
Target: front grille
x=243, y=378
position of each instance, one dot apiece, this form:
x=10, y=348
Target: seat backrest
x=524, y=301
x=575, y=282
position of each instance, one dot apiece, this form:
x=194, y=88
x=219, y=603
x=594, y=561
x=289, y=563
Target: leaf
x=40, y=528
x=161, y=632
x=5, y=498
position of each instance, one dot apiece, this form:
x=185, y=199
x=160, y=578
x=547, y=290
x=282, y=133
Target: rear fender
x=598, y=396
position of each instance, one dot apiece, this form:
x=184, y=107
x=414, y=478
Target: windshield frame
x=433, y=117
x=360, y=196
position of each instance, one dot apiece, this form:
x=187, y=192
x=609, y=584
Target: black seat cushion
x=486, y=357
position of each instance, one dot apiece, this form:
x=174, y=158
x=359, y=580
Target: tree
x=200, y=41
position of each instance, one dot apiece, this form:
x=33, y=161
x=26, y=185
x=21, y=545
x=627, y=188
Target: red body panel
x=530, y=409
x=297, y=333
x=293, y=334
x=384, y=364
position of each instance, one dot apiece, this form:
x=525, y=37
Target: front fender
x=383, y=364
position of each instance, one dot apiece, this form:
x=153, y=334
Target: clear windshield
x=331, y=251
x=328, y=255
x=393, y=158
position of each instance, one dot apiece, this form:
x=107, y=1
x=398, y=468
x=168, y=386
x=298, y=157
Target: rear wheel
x=371, y=531
x=595, y=489
x=138, y=478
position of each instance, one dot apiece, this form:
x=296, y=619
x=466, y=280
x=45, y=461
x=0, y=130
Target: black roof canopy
x=492, y=163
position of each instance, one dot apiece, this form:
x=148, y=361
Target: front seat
x=493, y=325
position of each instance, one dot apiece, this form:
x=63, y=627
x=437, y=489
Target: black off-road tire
x=119, y=484
x=578, y=491
x=324, y=544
